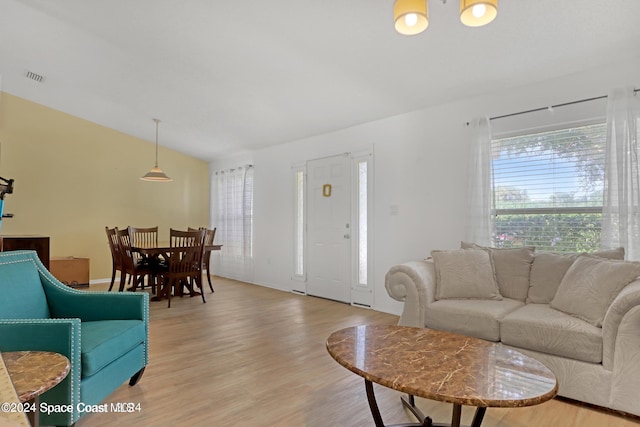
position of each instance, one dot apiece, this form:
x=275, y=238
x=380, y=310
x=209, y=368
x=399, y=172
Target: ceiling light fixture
x=476, y=13
x=412, y=16
x=156, y=174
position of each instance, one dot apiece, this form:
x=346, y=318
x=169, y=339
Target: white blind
x=548, y=188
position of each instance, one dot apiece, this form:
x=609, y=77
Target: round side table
x=34, y=372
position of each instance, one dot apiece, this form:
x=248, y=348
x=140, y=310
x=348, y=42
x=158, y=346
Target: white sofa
x=595, y=362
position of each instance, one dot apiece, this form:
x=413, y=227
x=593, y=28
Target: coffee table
x=441, y=366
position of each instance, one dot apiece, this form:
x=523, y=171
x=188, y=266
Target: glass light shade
x=475, y=18
x=410, y=16
x=156, y=174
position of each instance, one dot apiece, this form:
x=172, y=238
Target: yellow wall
x=74, y=177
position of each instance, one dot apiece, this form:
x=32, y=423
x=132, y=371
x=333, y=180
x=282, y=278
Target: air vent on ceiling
x=33, y=76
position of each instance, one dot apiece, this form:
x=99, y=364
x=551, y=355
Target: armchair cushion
x=104, y=341
x=27, y=299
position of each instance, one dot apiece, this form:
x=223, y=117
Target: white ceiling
x=229, y=76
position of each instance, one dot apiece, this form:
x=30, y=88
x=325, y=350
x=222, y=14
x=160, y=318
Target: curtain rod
x=553, y=106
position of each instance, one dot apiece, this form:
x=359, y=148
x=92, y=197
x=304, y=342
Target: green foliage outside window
x=579, y=232
x=548, y=189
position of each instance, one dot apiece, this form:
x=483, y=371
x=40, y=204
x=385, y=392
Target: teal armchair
x=104, y=335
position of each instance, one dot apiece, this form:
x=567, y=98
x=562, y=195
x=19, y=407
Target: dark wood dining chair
x=185, y=265
x=130, y=264
x=180, y=238
x=209, y=236
x=116, y=257
x=143, y=237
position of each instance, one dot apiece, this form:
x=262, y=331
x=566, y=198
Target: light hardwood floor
x=253, y=356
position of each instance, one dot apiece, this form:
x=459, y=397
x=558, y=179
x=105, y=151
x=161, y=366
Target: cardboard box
x=71, y=271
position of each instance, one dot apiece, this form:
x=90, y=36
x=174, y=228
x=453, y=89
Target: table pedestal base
x=34, y=416
x=424, y=421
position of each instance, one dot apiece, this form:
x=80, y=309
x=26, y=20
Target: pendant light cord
x=157, y=121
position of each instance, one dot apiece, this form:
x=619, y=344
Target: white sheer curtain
x=621, y=210
x=234, y=222
x=480, y=214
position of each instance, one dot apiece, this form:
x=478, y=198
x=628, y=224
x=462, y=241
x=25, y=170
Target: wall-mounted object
x=6, y=187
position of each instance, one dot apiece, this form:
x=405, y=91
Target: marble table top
x=9, y=415
x=443, y=366
x=34, y=372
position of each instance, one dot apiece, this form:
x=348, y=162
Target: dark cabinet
x=40, y=244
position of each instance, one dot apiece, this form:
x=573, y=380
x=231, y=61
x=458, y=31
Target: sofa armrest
x=65, y=302
x=627, y=300
x=55, y=335
x=414, y=283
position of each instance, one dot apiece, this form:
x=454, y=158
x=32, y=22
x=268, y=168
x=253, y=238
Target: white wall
x=420, y=166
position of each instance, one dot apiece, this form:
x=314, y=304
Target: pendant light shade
x=476, y=13
x=410, y=16
x=156, y=174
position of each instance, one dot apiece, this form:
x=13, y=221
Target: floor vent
x=33, y=76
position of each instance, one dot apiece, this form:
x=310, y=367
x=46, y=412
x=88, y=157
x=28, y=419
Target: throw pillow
x=547, y=272
x=591, y=284
x=512, y=268
x=617, y=253
x=465, y=274
x=549, y=268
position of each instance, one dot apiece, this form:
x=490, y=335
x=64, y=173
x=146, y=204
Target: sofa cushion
x=476, y=318
x=22, y=294
x=104, y=341
x=549, y=268
x=464, y=273
x=617, y=253
x=512, y=267
x=540, y=328
x=591, y=284
x=547, y=272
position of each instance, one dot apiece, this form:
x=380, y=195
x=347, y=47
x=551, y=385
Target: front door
x=329, y=232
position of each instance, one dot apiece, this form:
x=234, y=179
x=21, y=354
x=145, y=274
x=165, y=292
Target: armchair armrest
x=65, y=302
x=626, y=303
x=55, y=335
x=414, y=283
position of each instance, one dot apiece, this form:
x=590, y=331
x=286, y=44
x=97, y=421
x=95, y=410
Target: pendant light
x=476, y=13
x=410, y=16
x=156, y=174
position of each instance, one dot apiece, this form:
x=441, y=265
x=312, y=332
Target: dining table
x=160, y=255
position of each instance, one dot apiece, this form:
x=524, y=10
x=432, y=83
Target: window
x=548, y=189
x=234, y=221
x=298, y=223
x=363, y=208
